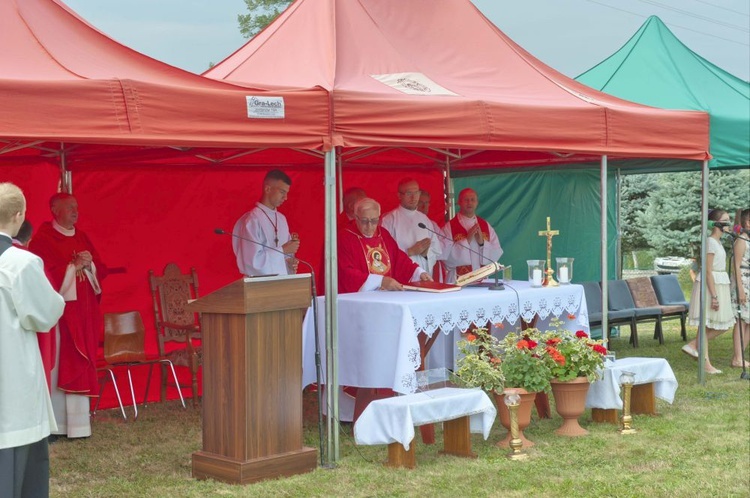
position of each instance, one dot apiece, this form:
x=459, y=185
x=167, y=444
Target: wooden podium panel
x=252, y=381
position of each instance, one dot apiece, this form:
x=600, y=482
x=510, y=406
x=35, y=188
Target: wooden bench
x=391, y=421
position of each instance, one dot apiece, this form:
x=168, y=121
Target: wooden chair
x=124, y=347
x=178, y=330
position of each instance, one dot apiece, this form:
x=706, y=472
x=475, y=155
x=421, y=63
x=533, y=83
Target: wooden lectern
x=252, y=380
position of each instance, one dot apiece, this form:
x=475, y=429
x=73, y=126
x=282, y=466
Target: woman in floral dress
x=741, y=293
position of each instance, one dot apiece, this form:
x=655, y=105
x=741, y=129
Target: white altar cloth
x=605, y=393
x=392, y=420
x=378, y=331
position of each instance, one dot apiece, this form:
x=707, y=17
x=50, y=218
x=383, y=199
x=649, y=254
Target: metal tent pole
x=331, y=310
x=605, y=286
x=702, y=300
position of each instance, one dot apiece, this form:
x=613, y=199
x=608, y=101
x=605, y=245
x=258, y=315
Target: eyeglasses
x=371, y=221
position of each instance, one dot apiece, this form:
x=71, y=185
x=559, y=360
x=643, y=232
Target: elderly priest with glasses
x=368, y=256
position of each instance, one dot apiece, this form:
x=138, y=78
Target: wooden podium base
x=210, y=465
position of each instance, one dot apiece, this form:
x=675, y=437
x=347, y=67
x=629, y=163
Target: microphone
x=219, y=231
x=739, y=230
x=497, y=285
x=720, y=224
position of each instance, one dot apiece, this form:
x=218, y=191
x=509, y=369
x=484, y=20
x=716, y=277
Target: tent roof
x=62, y=80
x=655, y=68
x=499, y=96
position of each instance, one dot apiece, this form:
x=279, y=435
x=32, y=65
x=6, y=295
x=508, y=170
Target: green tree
x=635, y=192
x=672, y=219
x=261, y=14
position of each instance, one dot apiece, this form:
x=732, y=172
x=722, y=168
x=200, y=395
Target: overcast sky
x=569, y=35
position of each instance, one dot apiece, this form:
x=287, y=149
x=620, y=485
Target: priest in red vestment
x=74, y=269
x=368, y=256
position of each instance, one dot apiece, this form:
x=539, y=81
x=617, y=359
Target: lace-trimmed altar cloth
x=378, y=344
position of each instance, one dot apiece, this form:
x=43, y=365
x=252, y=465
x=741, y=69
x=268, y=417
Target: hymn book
x=431, y=287
x=478, y=274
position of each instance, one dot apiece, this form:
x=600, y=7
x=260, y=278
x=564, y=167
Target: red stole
x=460, y=233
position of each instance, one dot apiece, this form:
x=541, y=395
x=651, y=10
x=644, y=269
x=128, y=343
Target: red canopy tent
x=159, y=155
x=434, y=83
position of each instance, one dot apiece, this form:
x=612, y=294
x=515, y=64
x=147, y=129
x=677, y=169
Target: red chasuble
x=81, y=324
x=359, y=256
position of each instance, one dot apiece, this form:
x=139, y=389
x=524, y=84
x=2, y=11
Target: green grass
x=699, y=446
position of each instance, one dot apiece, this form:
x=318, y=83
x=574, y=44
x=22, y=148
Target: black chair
x=593, y=293
x=669, y=293
x=621, y=301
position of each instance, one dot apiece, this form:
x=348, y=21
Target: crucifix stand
x=549, y=233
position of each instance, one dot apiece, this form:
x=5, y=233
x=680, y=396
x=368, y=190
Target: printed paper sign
x=412, y=84
x=265, y=107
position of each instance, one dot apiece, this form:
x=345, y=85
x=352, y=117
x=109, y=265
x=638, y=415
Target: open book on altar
x=431, y=287
x=478, y=274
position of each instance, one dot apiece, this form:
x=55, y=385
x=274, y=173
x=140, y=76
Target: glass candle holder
x=536, y=272
x=564, y=270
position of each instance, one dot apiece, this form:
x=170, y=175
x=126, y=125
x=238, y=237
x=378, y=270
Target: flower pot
x=570, y=403
x=524, y=417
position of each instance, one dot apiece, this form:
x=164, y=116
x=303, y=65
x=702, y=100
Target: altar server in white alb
x=422, y=246
x=266, y=225
x=28, y=304
x=468, y=231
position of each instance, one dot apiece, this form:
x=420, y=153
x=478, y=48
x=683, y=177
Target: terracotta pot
x=524, y=417
x=570, y=403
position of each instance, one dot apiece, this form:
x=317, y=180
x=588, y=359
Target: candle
x=563, y=274
x=536, y=277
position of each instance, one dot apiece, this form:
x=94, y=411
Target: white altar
x=378, y=331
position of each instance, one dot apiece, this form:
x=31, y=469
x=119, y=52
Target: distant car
x=670, y=264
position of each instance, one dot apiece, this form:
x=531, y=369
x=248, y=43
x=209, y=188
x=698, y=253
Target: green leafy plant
x=571, y=355
x=524, y=361
x=479, y=365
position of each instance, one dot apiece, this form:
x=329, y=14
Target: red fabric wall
x=142, y=219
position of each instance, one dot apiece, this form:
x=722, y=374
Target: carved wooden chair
x=124, y=347
x=177, y=328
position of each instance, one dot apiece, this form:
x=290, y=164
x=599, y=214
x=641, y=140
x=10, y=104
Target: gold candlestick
x=513, y=401
x=626, y=380
x=549, y=233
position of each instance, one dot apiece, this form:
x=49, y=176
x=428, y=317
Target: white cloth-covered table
x=392, y=420
x=378, y=331
x=605, y=393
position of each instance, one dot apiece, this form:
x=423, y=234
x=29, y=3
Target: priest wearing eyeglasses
x=368, y=256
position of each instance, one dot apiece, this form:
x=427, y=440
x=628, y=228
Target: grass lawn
x=699, y=446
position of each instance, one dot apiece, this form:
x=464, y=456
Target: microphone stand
x=318, y=368
x=497, y=285
x=744, y=375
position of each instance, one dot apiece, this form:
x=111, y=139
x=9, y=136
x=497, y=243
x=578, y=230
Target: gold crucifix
x=549, y=233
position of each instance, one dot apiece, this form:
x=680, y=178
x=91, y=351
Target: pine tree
x=635, y=192
x=261, y=14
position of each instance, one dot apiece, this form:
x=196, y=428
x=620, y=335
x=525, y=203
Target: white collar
x=68, y=232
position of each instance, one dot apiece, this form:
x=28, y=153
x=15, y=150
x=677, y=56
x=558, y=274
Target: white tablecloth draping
x=605, y=393
x=392, y=420
x=378, y=344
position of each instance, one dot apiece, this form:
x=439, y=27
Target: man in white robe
x=266, y=225
x=469, y=241
x=28, y=304
x=422, y=246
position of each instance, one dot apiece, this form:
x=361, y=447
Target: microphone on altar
x=318, y=367
x=497, y=285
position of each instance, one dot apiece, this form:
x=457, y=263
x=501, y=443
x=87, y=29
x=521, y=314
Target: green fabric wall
x=517, y=206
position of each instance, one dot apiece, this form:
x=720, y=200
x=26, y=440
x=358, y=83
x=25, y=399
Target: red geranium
x=522, y=344
x=471, y=337
x=599, y=349
x=555, y=355
x=554, y=341
x=582, y=335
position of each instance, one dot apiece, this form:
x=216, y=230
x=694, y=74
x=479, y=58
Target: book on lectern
x=478, y=274
x=431, y=287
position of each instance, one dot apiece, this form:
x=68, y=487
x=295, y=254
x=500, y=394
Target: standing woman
x=718, y=312
x=740, y=293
